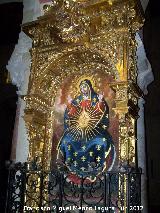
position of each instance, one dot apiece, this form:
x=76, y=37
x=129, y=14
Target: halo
x=90, y=78
x=75, y=88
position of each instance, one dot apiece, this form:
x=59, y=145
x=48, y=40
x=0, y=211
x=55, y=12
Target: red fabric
x=85, y=104
x=72, y=110
x=76, y=180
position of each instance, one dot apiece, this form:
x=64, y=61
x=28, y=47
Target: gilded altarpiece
x=79, y=43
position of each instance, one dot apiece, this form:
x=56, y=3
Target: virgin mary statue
x=86, y=147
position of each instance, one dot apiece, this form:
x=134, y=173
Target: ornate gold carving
x=78, y=39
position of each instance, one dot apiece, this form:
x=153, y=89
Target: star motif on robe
x=84, y=148
x=75, y=154
x=98, y=159
x=83, y=158
x=75, y=163
x=104, y=126
x=94, y=100
x=68, y=159
x=98, y=147
x=104, y=139
x=91, y=154
x=82, y=168
x=69, y=147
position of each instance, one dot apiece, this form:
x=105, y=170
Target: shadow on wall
x=152, y=106
x=10, y=20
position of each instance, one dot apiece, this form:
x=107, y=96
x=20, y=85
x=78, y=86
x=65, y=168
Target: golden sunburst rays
x=83, y=124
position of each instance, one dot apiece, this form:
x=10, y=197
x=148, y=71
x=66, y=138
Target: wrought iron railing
x=35, y=190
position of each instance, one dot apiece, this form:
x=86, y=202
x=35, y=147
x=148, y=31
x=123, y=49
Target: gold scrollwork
x=82, y=38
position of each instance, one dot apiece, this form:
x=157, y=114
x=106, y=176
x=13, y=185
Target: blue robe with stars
x=89, y=150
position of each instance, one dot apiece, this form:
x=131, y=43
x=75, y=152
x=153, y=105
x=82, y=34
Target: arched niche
x=47, y=99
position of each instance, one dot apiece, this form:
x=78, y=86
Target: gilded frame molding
x=71, y=40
